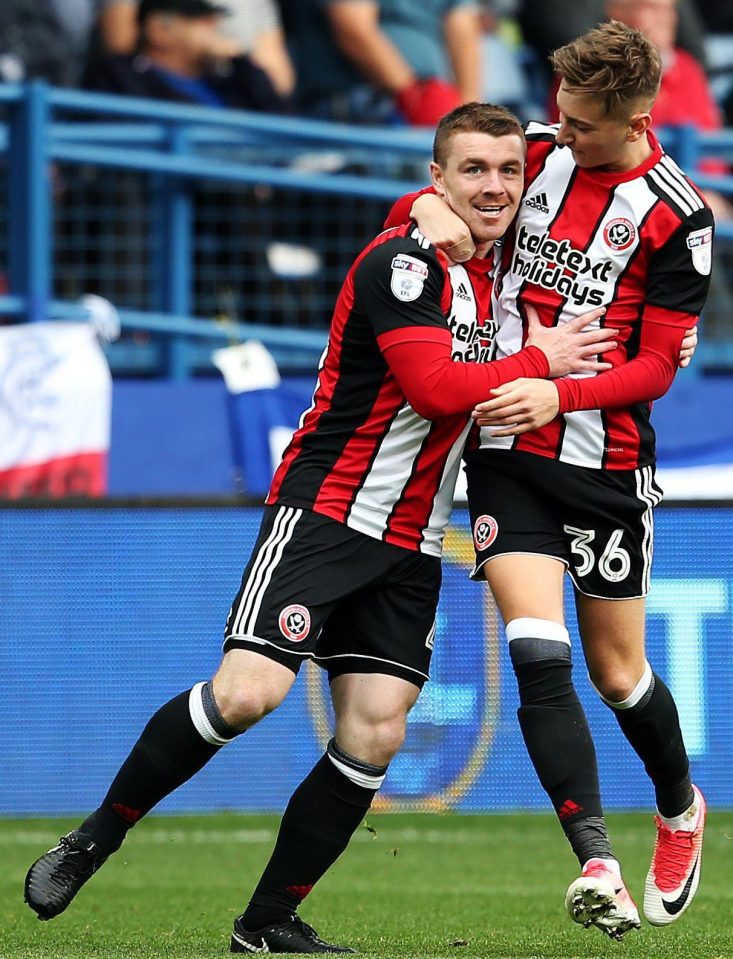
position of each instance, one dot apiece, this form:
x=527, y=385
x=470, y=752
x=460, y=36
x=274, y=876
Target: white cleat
x=599, y=898
x=674, y=874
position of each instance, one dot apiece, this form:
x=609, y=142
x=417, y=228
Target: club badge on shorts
x=408, y=277
x=485, y=531
x=700, y=245
x=294, y=622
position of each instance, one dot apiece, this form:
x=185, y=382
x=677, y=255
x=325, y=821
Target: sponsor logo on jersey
x=472, y=343
x=700, y=245
x=619, y=233
x=538, y=202
x=485, y=531
x=408, y=277
x=294, y=622
x=551, y=261
x=462, y=293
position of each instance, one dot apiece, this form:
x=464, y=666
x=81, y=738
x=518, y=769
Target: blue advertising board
x=109, y=611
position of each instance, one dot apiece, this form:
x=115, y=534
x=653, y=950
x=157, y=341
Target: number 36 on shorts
x=612, y=560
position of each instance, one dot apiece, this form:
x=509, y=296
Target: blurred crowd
x=359, y=61
x=402, y=62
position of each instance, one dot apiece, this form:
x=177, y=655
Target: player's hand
x=687, y=350
x=439, y=224
x=572, y=347
x=518, y=407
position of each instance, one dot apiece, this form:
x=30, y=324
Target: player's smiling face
x=482, y=181
x=597, y=139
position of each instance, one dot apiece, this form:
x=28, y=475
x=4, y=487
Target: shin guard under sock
x=177, y=742
x=322, y=815
x=649, y=720
x=556, y=732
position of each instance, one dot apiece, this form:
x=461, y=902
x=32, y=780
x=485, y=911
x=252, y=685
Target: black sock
x=559, y=741
x=171, y=749
x=322, y=815
x=652, y=726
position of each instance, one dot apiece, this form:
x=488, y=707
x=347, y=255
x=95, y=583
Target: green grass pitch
x=408, y=886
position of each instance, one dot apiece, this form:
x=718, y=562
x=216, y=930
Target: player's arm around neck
x=444, y=228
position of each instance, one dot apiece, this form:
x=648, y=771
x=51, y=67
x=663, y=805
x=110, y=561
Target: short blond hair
x=614, y=62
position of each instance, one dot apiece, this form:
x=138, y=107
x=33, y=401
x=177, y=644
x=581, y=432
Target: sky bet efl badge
x=408, y=277
x=700, y=244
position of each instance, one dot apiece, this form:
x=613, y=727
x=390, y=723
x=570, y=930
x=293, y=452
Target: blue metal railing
x=168, y=141
x=179, y=146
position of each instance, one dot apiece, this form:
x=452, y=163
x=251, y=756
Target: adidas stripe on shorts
x=316, y=589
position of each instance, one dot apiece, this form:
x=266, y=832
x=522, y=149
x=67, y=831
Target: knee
x=620, y=684
x=613, y=686
x=244, y=704
x=374, y=741
x=386, y=740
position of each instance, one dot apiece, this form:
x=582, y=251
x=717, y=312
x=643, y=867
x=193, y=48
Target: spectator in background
x=361, y=61
x=546, y=26
x=684, y=95
x=180, y=57
x=684, y=98
x=503, y=77
x=255, y=24
x=44, y=39
x=252, y=27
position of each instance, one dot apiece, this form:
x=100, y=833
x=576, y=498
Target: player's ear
x=436, y=175
x=639, y=123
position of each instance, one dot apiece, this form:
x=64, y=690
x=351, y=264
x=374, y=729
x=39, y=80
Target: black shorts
x=598, y=522
x=316, y=589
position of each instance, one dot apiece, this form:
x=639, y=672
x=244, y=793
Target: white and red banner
x=55, y=404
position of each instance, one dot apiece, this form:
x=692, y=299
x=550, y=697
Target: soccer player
x=346, y=568
x=607, y=219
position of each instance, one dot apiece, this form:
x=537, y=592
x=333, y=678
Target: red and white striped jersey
x=362, y=455
x=638, y=243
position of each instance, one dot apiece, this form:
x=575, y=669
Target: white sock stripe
x=527, y=627
x=200, y=720
x=356, y=776
x=636, y=694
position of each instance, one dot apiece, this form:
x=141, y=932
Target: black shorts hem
x=338, y=666
x=610, y=599
x=478, y=567
x=291, y=660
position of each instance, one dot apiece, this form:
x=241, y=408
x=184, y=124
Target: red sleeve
x=645, y=378
x=420, y=358
x=400, y=212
